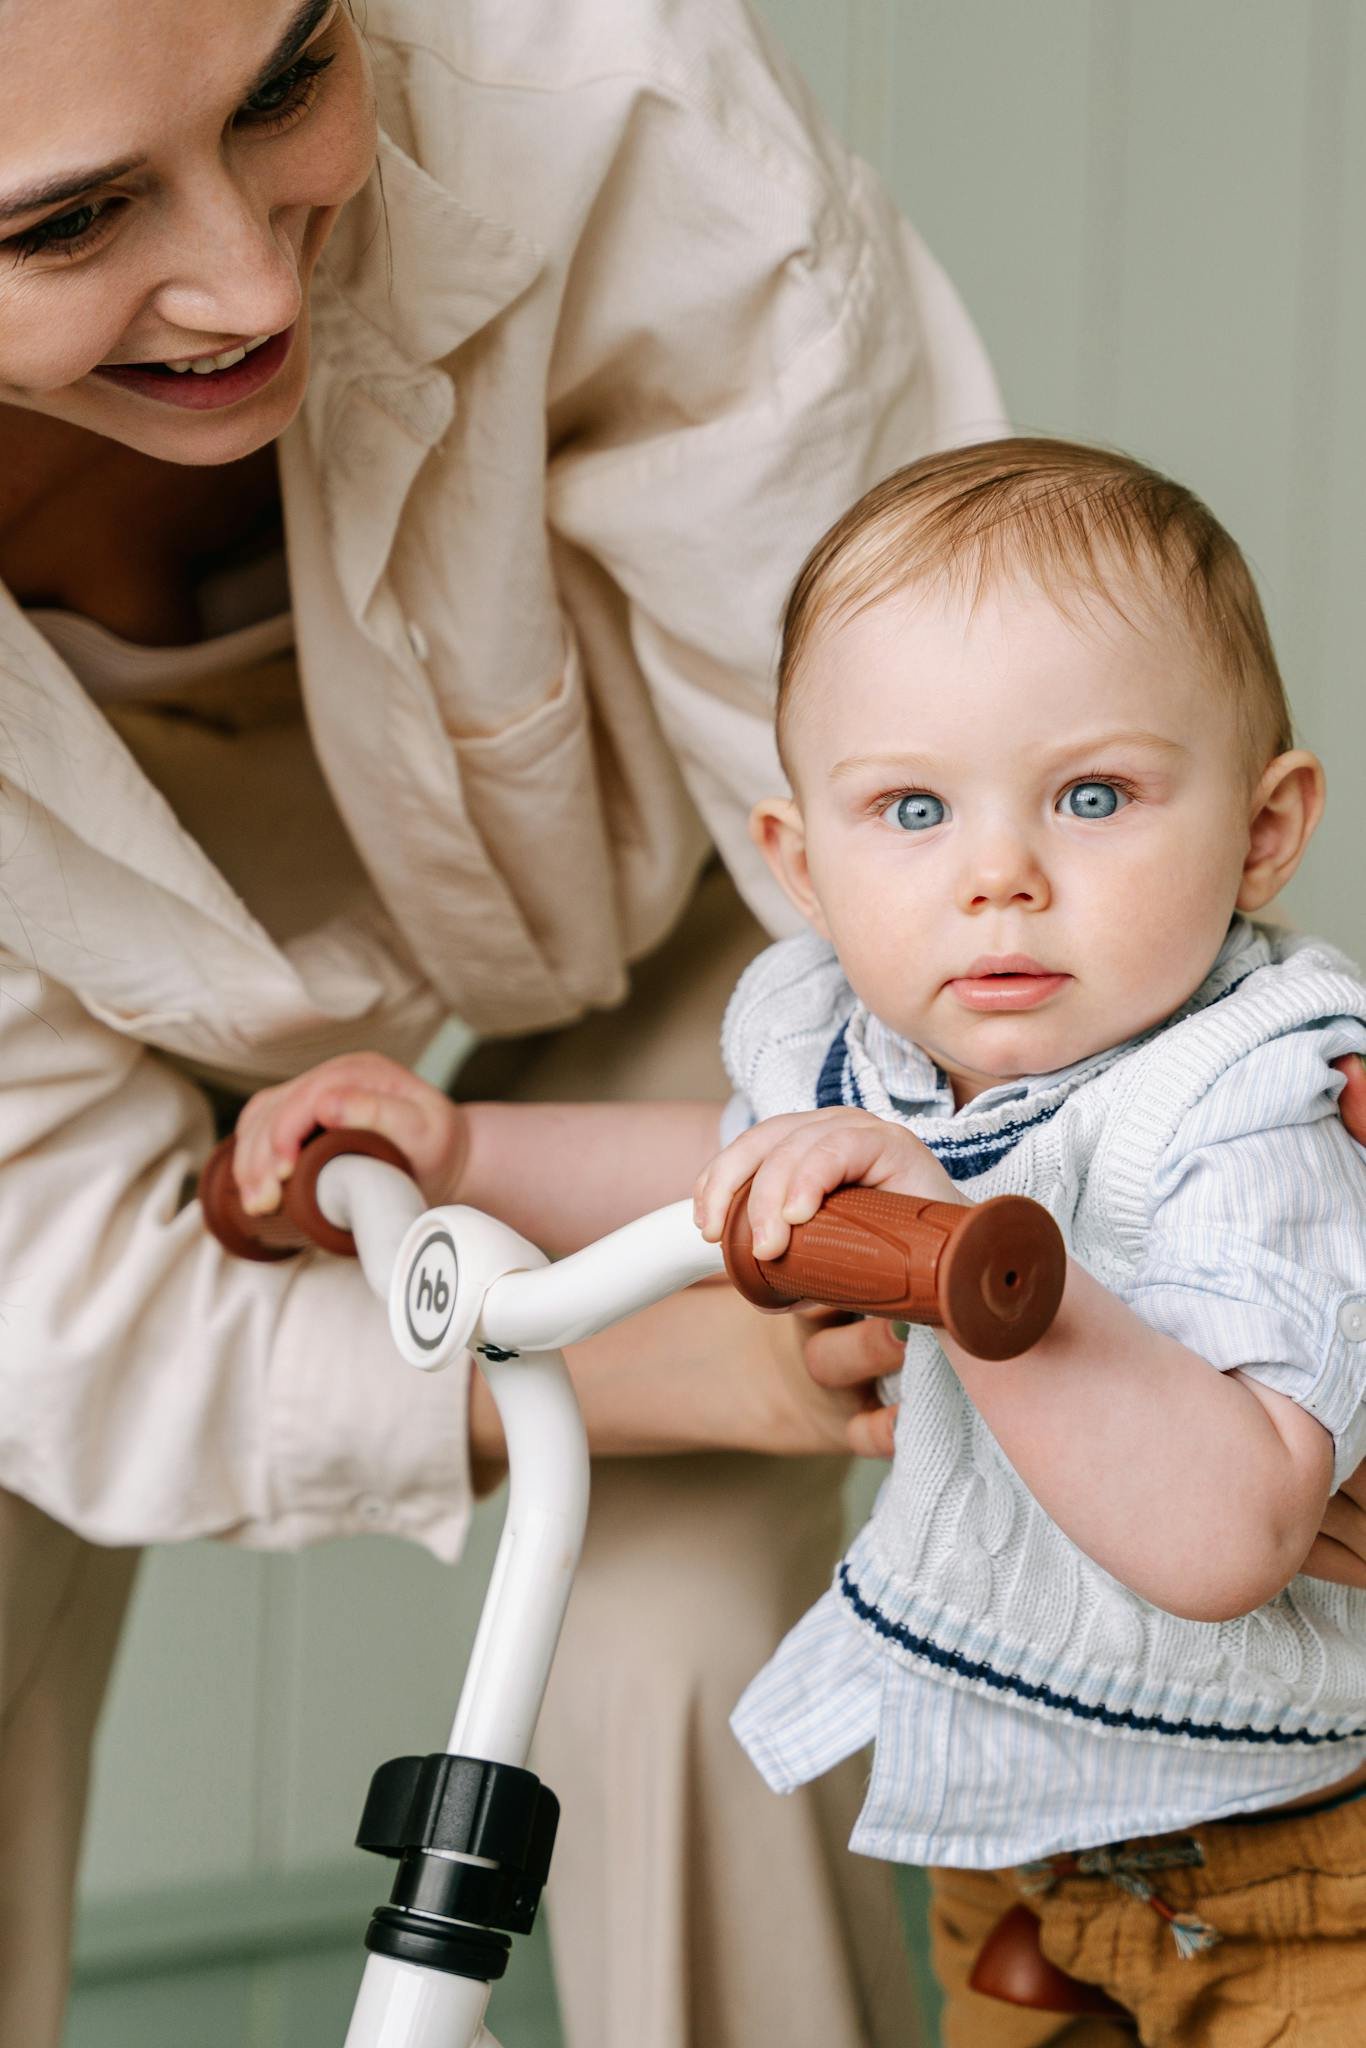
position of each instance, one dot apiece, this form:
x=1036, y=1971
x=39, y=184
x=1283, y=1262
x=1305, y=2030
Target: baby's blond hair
x=1076, y=521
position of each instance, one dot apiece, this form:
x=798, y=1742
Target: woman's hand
x=850, y=1354
x=360, y=1091
x=1352, y=1101
x=705, y=1371
x=796, y=1161
x=1338, y=1552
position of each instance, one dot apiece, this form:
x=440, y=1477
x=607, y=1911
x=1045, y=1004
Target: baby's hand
x=796, y=1161
x=360, y=1091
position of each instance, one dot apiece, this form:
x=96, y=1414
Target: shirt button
x=1352, y=1319
x=417, y=640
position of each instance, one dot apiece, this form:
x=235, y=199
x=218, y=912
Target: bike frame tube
x=527, y=1313
x=534, y=1568
x=402, y=2006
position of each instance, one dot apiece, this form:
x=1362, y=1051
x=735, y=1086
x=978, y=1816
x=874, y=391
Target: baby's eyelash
x=884, y=800
x=1119, y=782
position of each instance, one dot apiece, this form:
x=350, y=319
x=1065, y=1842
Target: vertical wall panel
x=989, y=153
x=177, y=1761
x=1215, y=186
x=1329, y=547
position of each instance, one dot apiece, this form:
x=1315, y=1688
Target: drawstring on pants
x=1127, y=1868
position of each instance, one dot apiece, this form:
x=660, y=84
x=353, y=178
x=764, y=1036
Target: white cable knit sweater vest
x=960, y=1573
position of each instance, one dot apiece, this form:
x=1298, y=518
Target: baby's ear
x=1286, y=807
x=778, y=830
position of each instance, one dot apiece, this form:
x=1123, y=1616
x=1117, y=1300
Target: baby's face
x=1024, y=833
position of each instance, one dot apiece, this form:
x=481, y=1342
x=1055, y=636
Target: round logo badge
x=429, y=1298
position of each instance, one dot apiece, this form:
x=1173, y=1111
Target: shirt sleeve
x=153, y=1389
x=1256, y=1255
x=751, y=337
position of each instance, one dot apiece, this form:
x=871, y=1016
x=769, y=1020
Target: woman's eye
x=65, y=233
x=917, y=812
x=290, y=91
x=1092, y=800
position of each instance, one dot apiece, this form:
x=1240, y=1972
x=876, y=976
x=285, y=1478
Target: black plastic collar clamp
x=419, y=1806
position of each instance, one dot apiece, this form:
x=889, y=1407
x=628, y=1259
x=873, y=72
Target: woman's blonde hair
x=1077, y=521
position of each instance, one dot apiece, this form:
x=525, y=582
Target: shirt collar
x=410, y=272
x=917, y=1086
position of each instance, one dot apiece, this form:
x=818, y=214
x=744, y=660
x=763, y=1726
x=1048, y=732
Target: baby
x=1042, y=775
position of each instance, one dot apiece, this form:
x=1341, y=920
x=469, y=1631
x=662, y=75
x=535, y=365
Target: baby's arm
x=561, y=1173
x=1200, y=1489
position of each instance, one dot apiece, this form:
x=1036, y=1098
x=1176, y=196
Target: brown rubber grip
x=298, y=1224
x=990, y=1273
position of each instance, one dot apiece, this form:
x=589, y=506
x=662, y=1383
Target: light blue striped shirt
x=1255, y=1260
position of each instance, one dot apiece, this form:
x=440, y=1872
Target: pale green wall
x=1156, y=211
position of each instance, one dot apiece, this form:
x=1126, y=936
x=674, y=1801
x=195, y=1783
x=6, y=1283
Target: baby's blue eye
x=1091, y=800
x=916, y=813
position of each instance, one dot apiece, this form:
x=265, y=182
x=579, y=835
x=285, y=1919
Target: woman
x=394, y=518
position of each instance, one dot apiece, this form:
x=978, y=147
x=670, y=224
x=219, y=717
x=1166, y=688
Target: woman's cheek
x=345, y=135
x=58, y=336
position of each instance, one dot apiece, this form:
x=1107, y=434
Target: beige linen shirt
x=614, y=332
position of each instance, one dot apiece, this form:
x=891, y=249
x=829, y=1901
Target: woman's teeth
x=203, y=365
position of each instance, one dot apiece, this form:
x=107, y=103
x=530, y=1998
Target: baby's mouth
x=1011, y=981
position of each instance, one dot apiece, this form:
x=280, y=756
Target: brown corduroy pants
x=1287, y=1898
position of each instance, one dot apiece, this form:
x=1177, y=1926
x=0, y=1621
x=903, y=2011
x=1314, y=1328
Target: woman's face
x=168, y=177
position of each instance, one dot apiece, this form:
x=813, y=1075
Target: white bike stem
x=459, y=1283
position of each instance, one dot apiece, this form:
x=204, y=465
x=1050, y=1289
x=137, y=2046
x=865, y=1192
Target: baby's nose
x=1003, y=868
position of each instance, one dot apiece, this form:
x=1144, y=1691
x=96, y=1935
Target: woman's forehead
x=90, y=83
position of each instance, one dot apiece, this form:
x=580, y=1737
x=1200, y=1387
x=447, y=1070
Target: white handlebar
x=600, y=1285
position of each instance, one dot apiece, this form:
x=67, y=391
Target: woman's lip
x=1006, y=990
x=194, y=393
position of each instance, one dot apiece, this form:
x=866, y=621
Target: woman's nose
x=236, y=271
x=1003, y=868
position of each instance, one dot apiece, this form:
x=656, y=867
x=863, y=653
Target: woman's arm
x=702, y=1371
x=153, y=1389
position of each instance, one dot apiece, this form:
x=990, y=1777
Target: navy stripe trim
x=1068, y=1703
x=830, y=1082
x=968, y=1167
x=836, y=1069
x=1008, y=1135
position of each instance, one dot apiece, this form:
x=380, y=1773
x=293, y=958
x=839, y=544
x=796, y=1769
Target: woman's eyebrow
x=53, y=190
x=71, y=185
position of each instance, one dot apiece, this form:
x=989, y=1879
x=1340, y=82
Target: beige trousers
x=61, y=1603
x=689, y=1906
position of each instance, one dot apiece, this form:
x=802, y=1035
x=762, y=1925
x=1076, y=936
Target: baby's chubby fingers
x=795, y=1161
x=720, y=1182
x=795, y=1178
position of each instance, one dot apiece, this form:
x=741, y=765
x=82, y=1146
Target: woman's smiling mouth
x=204, y=383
